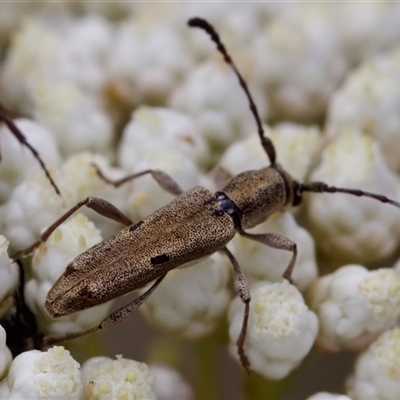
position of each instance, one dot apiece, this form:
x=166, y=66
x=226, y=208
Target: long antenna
x=22, y=139
x=321, y=187
x=265, y=142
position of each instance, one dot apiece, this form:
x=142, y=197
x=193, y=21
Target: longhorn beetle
x=195, y=224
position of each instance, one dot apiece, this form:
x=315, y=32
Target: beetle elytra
x=195, y=224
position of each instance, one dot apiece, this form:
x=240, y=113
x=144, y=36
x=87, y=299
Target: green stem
x=258, y=388
x=206, y=385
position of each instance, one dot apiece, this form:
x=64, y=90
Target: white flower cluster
x=33, y=204
x=377, y=371
x=349, y=228
x=369, y=101
x=54, y=374
x=328, y=396
x=17, y=162
x=128, y=88
x=355, y=305
x=8, y=276
x=282, y=329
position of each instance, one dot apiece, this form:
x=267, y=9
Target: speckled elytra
x=195, y=224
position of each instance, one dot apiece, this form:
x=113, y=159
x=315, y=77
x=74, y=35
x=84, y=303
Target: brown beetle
x=194, y=225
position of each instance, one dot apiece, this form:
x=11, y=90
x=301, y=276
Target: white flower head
x=367, y=28
x=146, y=61
x=191, y=301
x=107, y=379
x=212, y=95
x=74, y=115
x=153, y=128
x=71, y=49
x=260, y=262
x=169, y=384
x=281, y=328
x=25, y=60
x=350, y=229
x=8, y=277
x=5, y=354
x=355, y=305
x=17, y=161
x=369, y=101
x=298, y=62
x=49, y=261
x=328, y=396
x=237, y=24
x=51, y=375
x=34, y=204
x=377, y=371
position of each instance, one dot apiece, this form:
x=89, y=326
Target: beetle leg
x=162, y=178
x=22, y=139
x=102, y=207
x=112, y=319
x=242, y=289
x=276, y=241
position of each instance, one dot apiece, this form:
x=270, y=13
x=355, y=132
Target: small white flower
x=44, y=375
x=355, y=305
x=212, y=95
x=8, y=277
x=369, y=101
x=25, y=60
x=346, y=228
x=146, y=61
x=34, y=204
x=75, y=116
x=260, y=262
x=169, y=384
x=367, y=28
x=120, y=379
x=73, y=50
x=159, y=128
x=5, y=354
x=84, y=53
x=191, y=301
x=298, y=61
x=281, y=328
x=237, y=24
x=377, y=372
x=49, y=261
x=17, y=161
x=328, y=396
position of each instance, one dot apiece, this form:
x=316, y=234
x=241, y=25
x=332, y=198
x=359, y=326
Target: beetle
x=22, y=139
x=194, y=225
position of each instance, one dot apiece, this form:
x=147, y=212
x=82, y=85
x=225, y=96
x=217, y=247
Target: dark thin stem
x=265, y=142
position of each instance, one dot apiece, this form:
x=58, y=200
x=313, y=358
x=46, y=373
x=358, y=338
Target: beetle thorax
x=258, y=194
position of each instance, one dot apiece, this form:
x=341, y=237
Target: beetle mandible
x=195, y=224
